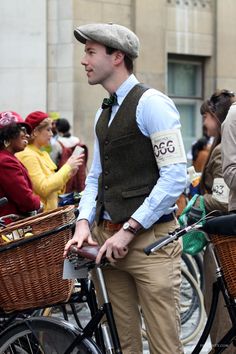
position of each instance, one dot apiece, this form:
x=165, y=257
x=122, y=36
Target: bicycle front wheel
x=43, y=336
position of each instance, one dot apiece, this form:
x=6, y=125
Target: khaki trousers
x=150, y=282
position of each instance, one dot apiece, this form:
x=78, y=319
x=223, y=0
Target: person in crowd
x=63, y=127
x=54, y=117
x=15, y=183
x=215, y=193
x=46, y=182
x=129, y=198
x=198, y=156
x=200, y=152
x=229, y=156
x=62, y=150
x=64, y=139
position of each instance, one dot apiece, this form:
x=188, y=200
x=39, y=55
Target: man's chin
x=91, y=82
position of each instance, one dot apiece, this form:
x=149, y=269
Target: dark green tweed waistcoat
x=129, y=169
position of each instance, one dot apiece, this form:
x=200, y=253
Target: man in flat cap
x=137, y=174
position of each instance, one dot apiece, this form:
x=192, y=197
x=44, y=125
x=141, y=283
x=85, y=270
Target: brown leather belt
x=110, y=226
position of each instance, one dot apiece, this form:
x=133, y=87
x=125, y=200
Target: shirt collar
x=125, y=87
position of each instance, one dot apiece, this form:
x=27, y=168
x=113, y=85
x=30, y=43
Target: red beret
x=10, y=117
x=35, y=118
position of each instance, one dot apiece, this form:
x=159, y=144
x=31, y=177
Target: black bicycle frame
x=94, y=325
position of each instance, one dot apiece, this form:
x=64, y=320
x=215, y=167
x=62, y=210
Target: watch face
x=126, y=226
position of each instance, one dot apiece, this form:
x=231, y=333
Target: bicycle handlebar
x=224, y=225
x=168, y=239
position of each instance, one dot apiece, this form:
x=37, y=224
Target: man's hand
x=82, y=234
x=116, y=246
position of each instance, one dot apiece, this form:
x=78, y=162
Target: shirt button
x=106, y=157
x=106, y=187
x=106, y=173
x=106, y=142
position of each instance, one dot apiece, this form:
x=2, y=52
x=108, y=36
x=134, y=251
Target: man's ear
x=118, y=56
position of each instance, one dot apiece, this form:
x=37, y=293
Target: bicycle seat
x=86, y=251
x=224, y=225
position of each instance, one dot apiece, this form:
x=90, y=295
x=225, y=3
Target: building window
x=185, y=82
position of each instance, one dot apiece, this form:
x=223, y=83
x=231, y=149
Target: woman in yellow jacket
x=47, y=182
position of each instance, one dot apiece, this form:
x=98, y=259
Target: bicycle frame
x=223, y=228
x=218, y=286
x=106, y=336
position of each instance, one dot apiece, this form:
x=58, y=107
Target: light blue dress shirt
x=155, y=112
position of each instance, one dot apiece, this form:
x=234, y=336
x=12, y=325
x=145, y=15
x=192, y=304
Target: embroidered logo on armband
x=168, y=147
x=220, y=190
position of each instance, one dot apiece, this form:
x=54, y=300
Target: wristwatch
x=128, y=227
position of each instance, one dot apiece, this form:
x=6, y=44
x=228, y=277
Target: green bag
x=193, y=241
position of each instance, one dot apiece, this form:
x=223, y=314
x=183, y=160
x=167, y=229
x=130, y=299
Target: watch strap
x=128, y=227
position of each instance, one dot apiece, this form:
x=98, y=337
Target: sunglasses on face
x=23, y=130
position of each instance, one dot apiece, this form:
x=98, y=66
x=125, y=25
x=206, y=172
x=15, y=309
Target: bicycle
x=192, y=307
x=219, y=233
x=13, y=309
x=87, y=293
x=37, y=334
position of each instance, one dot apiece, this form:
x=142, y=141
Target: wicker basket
x=225, y=247
x=31, y=267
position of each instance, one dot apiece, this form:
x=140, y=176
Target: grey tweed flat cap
x=111, y=35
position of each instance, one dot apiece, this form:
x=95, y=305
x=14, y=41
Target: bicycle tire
x=198, y=258
x=39, y=335
x=64, y=312
x=190, y=263
x=194, y=264
x=192, y=320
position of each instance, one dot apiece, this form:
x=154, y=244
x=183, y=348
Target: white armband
x=220, y=190
x=168, y=147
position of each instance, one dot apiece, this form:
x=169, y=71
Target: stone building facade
x=187, y=51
